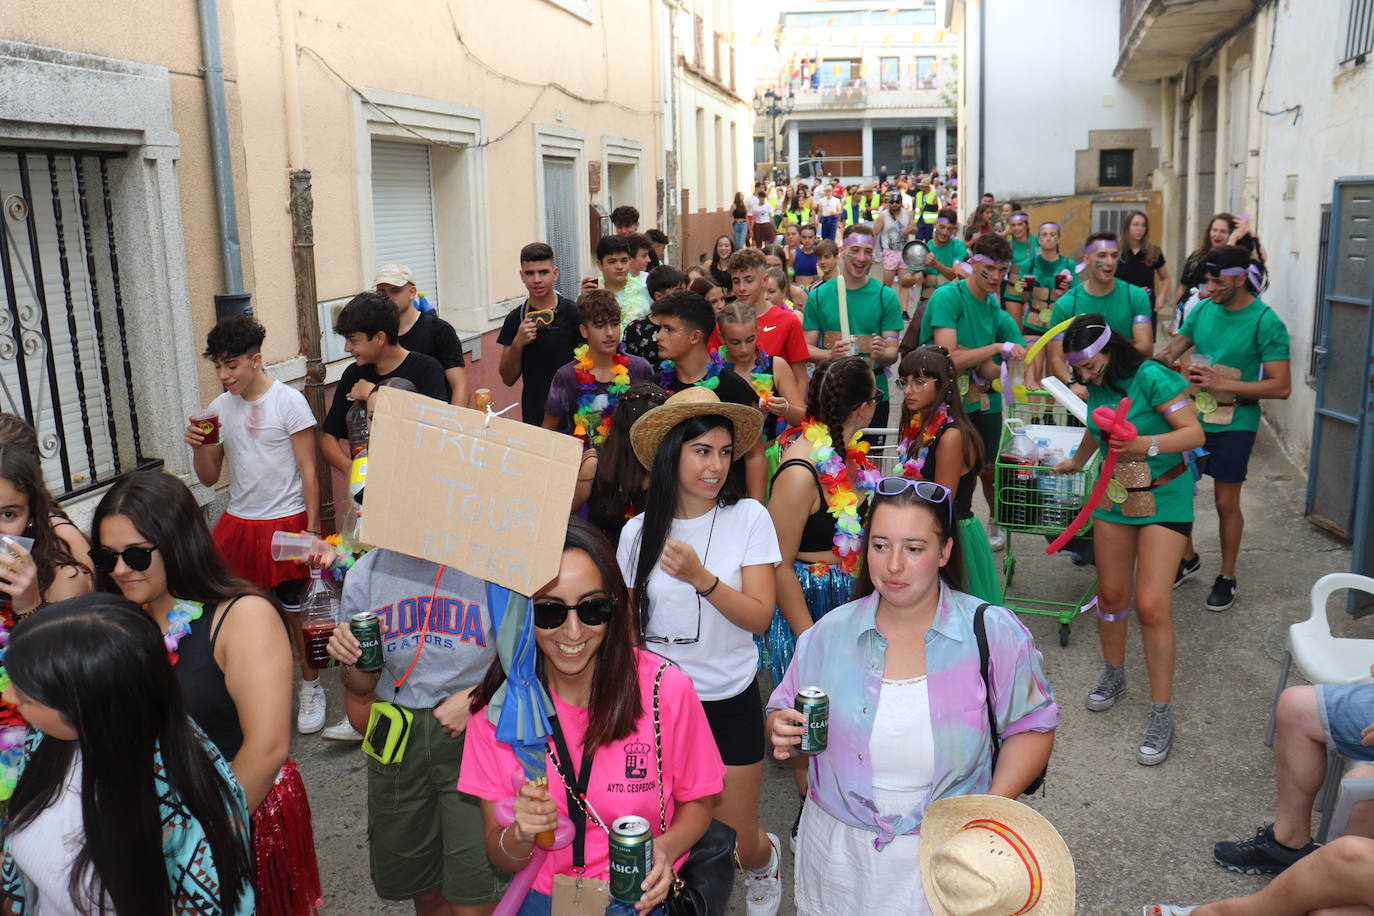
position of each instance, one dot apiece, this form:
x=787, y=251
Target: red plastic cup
x=207, y=421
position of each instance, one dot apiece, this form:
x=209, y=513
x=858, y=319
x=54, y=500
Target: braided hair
x=838, y=388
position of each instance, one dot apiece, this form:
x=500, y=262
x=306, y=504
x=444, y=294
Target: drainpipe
x=982, y=93
x=233, y=301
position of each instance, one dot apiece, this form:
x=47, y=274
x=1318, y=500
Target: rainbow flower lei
x=179, y=620
x=13, y=728
x=916, y=441
x=842, y=489
x=760, y=377
x=592, y=416
x=714, y=365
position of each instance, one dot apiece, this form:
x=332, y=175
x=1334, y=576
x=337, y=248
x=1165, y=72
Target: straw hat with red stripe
x=985, y=855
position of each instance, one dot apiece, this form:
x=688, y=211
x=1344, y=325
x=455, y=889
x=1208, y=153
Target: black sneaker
x=1223, y=594
x=1187, y=569
x=1259, y=855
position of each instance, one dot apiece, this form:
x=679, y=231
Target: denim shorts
x=1346, y=710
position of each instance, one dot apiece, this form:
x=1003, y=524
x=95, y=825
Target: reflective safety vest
x=918, y=204
x=853, y=212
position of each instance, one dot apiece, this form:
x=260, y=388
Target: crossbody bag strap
x=658, y=750
x=980, y=633
x=575, y=785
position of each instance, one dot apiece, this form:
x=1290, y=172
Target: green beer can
x=815, y=705
x=632, y=855
x=367, y=629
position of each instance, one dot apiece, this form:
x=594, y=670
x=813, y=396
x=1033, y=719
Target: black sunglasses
x=594, y=612
x=136, y=558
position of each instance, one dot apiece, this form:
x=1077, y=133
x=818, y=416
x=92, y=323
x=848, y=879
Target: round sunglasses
x=136, y=558
x=594, y=612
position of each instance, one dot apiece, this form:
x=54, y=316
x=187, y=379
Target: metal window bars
x=64, y=364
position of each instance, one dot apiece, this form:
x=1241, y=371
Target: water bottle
x=357, y=429
x=319, y=615
x=1021, y=451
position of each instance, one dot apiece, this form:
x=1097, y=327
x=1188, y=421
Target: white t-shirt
x=264, y=480
x=760, y=210
x=829, y=206
x=45, y=849
x=722, y=663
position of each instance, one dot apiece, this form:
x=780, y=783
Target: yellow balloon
x=1045, y=338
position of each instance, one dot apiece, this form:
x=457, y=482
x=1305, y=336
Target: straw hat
x=648, y=432
x=985, y=855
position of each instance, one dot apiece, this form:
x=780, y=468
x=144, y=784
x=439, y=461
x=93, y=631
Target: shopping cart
x=1031, y=499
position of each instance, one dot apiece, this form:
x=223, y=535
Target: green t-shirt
x=873, y=309
x=976, y=323
x=1045, y=273
x=1152, y=385
x=1020, y=253
x=946, y=254
x=1120, y=307
x=1243, y=339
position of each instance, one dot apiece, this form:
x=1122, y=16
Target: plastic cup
x=1202, y=362
x=292, y=546
x=208, y=423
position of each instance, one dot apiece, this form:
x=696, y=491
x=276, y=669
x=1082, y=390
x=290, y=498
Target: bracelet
x=711, y=589
x=501, y=844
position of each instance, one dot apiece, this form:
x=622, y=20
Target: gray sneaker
x=1108, y=689
x=1158, y=737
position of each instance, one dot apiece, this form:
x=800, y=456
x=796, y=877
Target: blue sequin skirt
x=824, y=592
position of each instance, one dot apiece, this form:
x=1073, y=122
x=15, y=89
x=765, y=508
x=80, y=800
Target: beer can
x=368, y=631
x=815, y=705
x=632, y=856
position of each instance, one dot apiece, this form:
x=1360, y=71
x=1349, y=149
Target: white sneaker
x=310, y=714
x=997, y=538
x=763, y=889
x=344, y=731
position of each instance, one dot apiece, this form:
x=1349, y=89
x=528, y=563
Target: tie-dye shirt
x=847, y=640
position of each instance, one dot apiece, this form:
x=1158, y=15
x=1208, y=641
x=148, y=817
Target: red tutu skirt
x=247, y=547
x=287, y=882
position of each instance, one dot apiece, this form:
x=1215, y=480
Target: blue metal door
x=1340, y=483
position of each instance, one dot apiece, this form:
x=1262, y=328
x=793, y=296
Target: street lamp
x=775, y=104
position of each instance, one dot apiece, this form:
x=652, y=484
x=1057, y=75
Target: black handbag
x=702, y=886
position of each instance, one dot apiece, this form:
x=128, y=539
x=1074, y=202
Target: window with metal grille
x=1359, y=31
x=560, y=218
x=403, y=213
x=1114, y=168
x=1111, y=217
x=64, y=349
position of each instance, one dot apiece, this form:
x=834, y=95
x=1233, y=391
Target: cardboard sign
x=489, y=498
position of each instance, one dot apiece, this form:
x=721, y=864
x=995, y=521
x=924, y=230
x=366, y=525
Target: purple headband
x=984, y=259
x=1251, y=273
x=1044, y=226
x=1097, y=346
x=1019, y=217
x=942, y=221
x=858, y=238
x=1099, y=245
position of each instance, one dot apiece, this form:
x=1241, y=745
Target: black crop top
x=818, y=535
x=963, y=494
x=202, y=683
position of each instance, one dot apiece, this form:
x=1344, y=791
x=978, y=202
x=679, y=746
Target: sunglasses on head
x=927, y=490
x=594, y=612
x=136, y=558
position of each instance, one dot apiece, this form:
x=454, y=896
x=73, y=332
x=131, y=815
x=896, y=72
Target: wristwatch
x=1154, y=447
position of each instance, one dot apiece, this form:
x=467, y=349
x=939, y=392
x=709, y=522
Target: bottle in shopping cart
x=319, y=615
x=1020, y=451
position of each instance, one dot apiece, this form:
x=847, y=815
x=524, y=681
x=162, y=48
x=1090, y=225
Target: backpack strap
x=980, y=633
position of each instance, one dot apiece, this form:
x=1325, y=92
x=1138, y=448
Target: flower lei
x=634, y=300
x=714, y=365
x=760, y=379
x=917, y=440
x=592, y=416
x=179, y=618
x=842, y=496
x=13, y=728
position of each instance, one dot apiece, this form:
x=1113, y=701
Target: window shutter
x=560, y=216
x=403, y=213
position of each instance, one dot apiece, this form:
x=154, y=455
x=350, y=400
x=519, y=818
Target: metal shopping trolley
x=1031, y=499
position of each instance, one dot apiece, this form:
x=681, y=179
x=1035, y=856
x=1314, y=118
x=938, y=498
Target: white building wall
x=1048, y=101
x=692, y=167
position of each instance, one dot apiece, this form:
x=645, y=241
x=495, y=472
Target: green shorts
x=989, y=426
x=422, y=834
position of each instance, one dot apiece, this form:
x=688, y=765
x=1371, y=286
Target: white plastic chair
x=1353, y=789
x=1321, y=657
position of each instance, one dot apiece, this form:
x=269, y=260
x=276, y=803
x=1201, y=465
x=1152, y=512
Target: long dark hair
x=1123, y=359
x=613, y=708
x=1148, y=249
x=934, y=363
x=952, y=573
x=164, y=511
x=19, y=464
x=838, y=388
x=663, y=490
x=99, y=661
x=621, y=481
x=716, y=263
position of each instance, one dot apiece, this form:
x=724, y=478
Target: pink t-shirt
x=780, y=334
x=624, y=778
